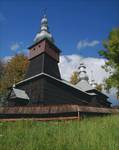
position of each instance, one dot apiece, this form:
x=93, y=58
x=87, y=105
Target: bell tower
x=44, y=55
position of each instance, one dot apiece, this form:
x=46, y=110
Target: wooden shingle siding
x=54, y=111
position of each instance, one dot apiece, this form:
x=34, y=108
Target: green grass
x=88, y=134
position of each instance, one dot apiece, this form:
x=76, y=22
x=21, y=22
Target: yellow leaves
x=74, y=78
x=14, y=71
x=99, y=87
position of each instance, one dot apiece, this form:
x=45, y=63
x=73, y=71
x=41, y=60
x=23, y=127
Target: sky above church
x=78, y=26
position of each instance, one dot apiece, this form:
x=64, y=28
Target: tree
x=99, y=87
x=14, y=71
x=1, y=68
x=111, y=53
x=74, y=78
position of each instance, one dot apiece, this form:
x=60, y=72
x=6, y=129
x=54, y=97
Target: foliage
x=74, y=78
x=88, y=134
x=1, y=68
x=13, y=72
x=99, y=87
x=111, y=53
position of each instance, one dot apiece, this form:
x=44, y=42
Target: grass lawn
x=88, y=134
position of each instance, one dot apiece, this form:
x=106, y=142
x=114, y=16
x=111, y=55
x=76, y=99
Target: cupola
x=44, y=31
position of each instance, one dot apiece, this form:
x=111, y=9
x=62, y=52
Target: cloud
x=85, y=43
x=18, y=47
x=2, y=18
x=70, y=63
x=6, y=58
x=15, y=46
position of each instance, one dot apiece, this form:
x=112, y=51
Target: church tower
x=43, y=55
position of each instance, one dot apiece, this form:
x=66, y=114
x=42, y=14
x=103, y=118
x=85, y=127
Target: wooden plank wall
x=52, y=109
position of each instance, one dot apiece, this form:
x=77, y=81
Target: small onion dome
x=93, y=84
x=44, y=20
x=82, y=72
x=44, y=33
x=44, y=24
x=83, y=76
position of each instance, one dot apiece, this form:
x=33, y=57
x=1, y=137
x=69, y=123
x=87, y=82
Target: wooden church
x=43, y=85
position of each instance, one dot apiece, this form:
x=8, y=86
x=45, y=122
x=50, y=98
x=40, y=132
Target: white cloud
x=85, y=43
x=15, y=46
x=70, y=63
x=2, y=18
x=18, y=48
x=6, y=58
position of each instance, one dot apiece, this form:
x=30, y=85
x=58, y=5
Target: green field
x=88, y=134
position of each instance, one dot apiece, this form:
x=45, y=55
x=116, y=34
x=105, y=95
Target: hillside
x=88, y=134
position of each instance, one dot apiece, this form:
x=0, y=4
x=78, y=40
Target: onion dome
x=44, y=31
x=82, y=72
x=93, y=84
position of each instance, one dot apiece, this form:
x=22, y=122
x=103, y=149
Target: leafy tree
x=74, y=78
x=1, y=68
x=99, y=87
x=14, y=71
x=111, y=53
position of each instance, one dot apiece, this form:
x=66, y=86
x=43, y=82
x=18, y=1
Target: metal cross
x=44, y=11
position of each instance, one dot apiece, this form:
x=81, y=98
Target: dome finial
x=44, y=12
x=44, y=21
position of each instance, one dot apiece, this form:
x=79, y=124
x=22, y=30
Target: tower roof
x=44, y=31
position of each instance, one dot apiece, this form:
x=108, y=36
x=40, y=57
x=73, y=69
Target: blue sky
x=78, y=26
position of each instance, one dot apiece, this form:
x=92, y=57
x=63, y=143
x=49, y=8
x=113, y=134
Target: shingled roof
x=84, y=85
x=17, y=93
